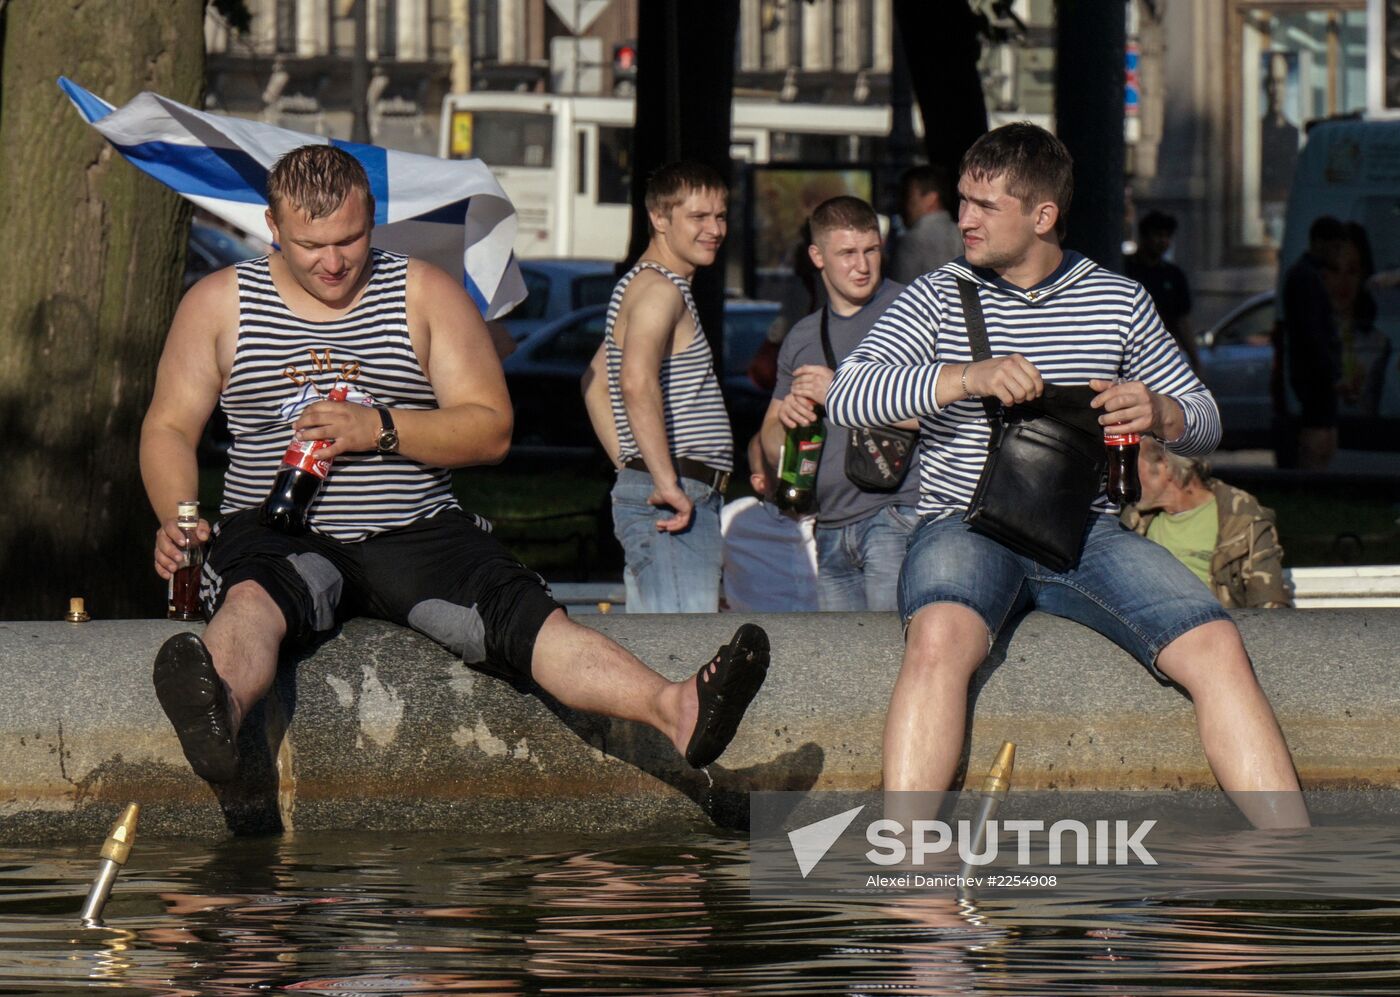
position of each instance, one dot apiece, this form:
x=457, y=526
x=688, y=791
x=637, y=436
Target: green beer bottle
x=797, y=465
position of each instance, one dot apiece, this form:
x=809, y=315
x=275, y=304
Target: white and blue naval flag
x=449, y=212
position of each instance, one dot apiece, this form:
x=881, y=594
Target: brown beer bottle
x=182, y=595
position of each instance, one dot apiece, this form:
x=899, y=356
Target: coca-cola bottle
x=182, y=602
x=1123, y=485
x=299, y=480
x=797, y=464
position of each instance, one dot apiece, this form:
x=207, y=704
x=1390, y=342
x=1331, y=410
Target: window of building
x=387, y=21
x=486, y=31
x=1297, y=64
x=285, y=26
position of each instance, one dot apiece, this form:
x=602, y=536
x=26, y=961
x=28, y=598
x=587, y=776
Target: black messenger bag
x=876, y=459
x=1045, y=464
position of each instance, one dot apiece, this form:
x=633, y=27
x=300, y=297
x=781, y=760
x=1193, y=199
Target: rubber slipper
x=196, y=703
x=725, y=693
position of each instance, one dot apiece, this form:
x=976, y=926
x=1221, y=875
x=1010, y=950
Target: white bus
x=565, y=162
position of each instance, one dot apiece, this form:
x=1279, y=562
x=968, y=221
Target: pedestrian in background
x=1165, y=281
x=927, y=203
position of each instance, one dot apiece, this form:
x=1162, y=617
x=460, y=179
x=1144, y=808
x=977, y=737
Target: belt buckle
x=721, y=483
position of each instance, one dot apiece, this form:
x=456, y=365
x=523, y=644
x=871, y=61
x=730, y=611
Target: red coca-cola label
x=302, y=454
x=1123, y=440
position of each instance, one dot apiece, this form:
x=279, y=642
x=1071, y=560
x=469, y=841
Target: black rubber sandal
x=196, y=703
x=739, y=670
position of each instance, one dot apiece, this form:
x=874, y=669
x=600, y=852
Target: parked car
x=213, y=249
x=554, y=288
x=1237, y=357
x=543, y=377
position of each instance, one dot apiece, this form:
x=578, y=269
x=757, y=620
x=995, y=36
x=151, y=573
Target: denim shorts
x=1131, y=590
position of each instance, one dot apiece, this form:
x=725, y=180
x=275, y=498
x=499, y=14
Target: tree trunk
x=1090, y=44
x=92, y=253
x=942, y=46
x=685, y=86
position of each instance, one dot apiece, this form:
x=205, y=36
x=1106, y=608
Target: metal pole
x=359, y=76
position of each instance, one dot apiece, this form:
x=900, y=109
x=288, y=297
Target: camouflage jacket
x=1246, y=570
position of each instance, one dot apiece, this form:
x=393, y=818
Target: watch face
x=388, y=441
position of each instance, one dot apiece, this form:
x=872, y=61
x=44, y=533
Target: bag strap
x=826, y=340
x=981, y=349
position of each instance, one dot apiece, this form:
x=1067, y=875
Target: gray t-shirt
x=932, y=241
x=838, y=501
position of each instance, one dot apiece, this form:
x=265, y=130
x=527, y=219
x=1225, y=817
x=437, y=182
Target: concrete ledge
x=383, y=729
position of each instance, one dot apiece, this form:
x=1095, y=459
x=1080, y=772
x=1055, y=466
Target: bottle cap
x=76, y=612
x=187, y=513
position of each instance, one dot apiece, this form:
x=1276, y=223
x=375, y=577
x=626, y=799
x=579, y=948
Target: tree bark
x=92, y=253
x=1090, y=42
x=685, y=88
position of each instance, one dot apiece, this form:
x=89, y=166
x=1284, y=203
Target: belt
x=687, y=468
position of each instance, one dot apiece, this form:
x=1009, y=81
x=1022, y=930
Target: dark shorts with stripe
x=443, y=576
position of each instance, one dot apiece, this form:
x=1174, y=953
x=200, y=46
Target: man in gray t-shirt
x=861, y=535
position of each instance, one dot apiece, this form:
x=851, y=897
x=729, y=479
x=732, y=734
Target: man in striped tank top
x=266, y=340
x=669, y=432
x=1051, y=316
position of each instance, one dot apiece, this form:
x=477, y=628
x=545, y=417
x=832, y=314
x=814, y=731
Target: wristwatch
x=388, y=441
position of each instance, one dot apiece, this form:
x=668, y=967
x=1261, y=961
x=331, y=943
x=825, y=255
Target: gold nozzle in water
x=117, y=847
x=76, y=612
x=998, y=780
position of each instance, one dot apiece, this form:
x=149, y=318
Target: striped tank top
x=696, y=421
x=282, y=363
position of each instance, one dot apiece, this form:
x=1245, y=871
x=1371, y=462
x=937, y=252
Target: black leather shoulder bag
x=1045, y=464
x=876, y=459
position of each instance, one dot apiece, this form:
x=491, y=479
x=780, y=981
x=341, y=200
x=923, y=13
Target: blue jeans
x=858, y=564
x=1131, y=590
x=668, y=572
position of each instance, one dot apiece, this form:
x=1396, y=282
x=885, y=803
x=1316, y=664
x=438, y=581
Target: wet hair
x=673, y=183
x=841, y=213
x=930, y=178
x=1182, y=469
x=1156, y=221
x=316, y=179
x=1035, y=164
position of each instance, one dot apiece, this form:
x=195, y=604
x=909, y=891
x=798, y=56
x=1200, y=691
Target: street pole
x=461, y=47
x=359, y=76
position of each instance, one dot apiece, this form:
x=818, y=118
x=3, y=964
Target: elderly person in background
x=1220, y=532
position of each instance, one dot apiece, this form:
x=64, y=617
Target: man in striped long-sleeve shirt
x=1052, y=316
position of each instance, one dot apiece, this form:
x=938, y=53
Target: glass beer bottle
x=797, y=464
x=182, y=595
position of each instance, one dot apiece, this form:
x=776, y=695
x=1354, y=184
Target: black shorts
x=443, y=576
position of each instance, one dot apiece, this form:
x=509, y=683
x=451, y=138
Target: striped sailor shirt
x=697, y=424
x=283, y=362
x=1081, y=322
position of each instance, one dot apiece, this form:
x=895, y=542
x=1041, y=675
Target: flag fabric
x=450, y=212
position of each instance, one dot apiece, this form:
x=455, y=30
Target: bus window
x=614, y=165
x=507, y=138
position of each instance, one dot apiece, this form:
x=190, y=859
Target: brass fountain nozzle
x=76, y=612
x=115, y=851
x=998, y=780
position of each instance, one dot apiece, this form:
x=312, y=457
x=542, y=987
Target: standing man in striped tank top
x=1051, y=316
x=266, y=340
x=672, y=438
